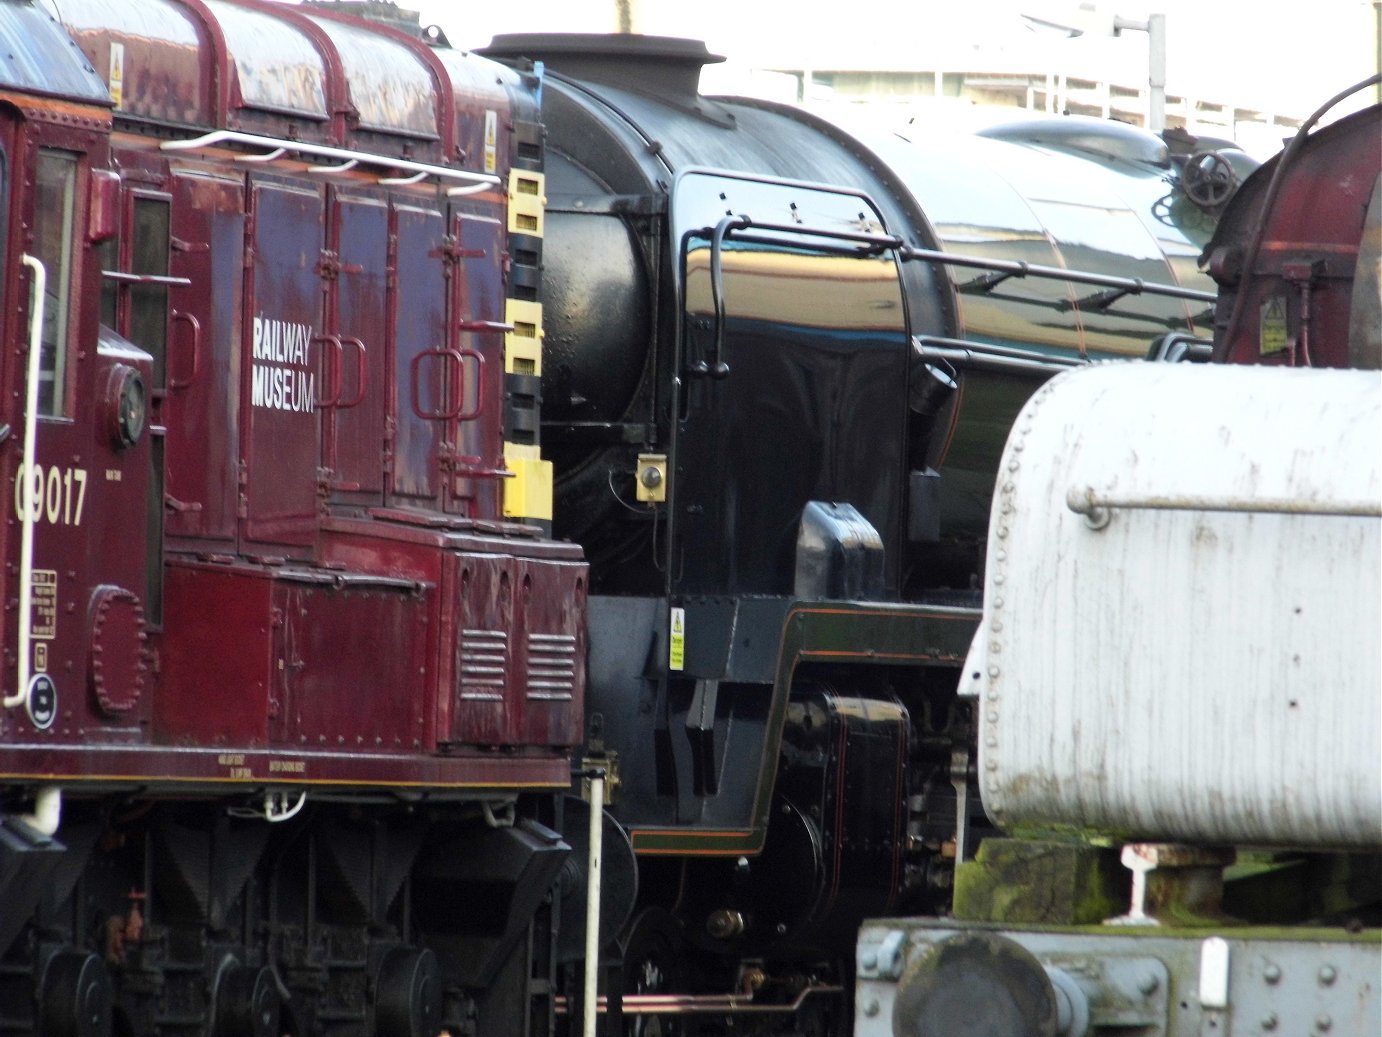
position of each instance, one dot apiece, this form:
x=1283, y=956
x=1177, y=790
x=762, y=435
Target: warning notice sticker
x=1271, y=329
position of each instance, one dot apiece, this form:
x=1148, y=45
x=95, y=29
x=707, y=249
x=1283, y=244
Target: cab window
x=54, y=213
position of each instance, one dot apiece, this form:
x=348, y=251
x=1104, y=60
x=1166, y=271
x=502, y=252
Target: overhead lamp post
x=1087, y=20
x=1155, y=28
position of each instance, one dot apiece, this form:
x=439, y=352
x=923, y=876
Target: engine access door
x=284, y=345
x=793, y=369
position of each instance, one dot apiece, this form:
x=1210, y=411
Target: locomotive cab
x=784, y=379
x=77, y=446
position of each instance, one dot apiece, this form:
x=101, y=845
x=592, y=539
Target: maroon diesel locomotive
x=276, y=545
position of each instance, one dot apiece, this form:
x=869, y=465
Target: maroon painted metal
x=323, y=592
x=1286, y=251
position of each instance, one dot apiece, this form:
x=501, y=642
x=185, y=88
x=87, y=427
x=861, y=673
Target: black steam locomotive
x=781, y=360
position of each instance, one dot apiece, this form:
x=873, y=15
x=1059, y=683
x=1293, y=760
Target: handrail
x=38, y=289
x=871, y=244
x=361, y=372
x=191, y=321
x=159, y=279
x=456, y=384
x=277, y=148
x=718, y=368
x=1095, y=505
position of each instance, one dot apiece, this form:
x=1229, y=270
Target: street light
x=1155, y=28
x=1087, y=19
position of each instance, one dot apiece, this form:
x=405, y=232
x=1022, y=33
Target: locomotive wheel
x=652, y=965
x=247, y=1003
x=77, y=997
x=408, y=1003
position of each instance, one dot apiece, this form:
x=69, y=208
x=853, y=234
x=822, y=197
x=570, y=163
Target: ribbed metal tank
x=1181, y=609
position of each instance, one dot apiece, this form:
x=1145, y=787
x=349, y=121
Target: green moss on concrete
x=1041, y=882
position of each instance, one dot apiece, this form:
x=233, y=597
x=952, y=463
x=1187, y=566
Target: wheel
x=77, y=997
x=247, y=1003
x=653, y=965
x=408, y=1003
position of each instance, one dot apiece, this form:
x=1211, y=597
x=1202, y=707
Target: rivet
x=993, y=671
x=991, y=742
x=1328, y=975
x=868, y=960
x=1149, y=983
x=1324, y=1022
x=1269, y=1021
x=1272, y=974
x=871, y=1007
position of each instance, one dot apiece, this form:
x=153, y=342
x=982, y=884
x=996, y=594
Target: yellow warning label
x=117, y=73
x=491, y=140
x=1271, y=329
x=676, y=654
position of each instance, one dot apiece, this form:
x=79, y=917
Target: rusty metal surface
x=278, y=67
x=1201, y=633
x=488, y=103
x=149, y=54
x=390, y=85
x=37, y=56
x=163, y=63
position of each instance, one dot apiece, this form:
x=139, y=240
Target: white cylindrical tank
x=1183, y=608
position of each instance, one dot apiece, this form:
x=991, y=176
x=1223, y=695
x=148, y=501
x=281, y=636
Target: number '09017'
x=53, y=494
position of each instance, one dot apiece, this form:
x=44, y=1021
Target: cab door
x=75, y=453
x=793, y=377
x=200, y=375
